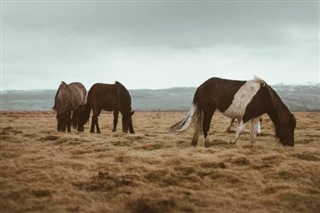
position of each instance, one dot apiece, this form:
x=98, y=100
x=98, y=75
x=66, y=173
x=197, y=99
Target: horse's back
x=233, y=98
x=101, y=96
x=70, y=96
x=109, y=97
x=78, y=93
x=217, y=92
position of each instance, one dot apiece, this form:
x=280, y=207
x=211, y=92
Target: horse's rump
x=68, y=98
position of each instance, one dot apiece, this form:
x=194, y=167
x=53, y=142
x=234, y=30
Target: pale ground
x=155, y=170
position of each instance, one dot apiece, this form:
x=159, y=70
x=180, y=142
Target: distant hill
x=300, y=98
x=297, y=98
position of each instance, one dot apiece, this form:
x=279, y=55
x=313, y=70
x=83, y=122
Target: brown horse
x=68, y=99
x=109, y=97
x=244, y=100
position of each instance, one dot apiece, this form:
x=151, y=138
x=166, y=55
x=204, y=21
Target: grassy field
x=155, y=170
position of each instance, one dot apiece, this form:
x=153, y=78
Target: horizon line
x=179, y=87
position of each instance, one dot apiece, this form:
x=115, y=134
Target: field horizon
x=171, y=99
x=155, y=170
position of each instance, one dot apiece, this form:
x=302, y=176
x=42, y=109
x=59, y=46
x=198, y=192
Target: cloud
x=177, y=24
x=158, y=44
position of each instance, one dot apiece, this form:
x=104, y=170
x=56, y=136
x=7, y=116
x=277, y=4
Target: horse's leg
x=240, y=129
x=206, y=124
x=115, y=120
x=197, y=128
x=97, y=125
x=97, y=120
x=258, y=126
x=254, y=129
x=68, y=121
x=74, y=118
x=93, y=122
x=228, y=129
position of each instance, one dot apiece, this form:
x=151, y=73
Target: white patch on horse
x=242, y=98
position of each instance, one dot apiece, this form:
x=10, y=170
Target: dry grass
x=155, y=170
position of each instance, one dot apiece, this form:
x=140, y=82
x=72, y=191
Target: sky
x=157, y=44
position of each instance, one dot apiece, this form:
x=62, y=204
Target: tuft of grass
x=307, y=156
x=240, y=161
x=49, y=138
x=148, y=205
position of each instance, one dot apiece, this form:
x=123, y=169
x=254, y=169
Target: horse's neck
x=274, y=117
x=279, y=115
x=278, y=111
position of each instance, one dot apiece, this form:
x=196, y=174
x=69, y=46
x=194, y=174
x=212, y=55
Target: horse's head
x=286, y=133
x=127, y=122
x=83, y=117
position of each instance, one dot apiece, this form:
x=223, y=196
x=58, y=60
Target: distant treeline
x=297, y=98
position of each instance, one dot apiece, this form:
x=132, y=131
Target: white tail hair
x=187, y=121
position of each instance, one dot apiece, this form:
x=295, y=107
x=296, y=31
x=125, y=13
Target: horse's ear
x=132, y=113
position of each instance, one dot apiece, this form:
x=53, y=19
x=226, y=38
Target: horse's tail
x=194, y=116
x=186, y=122
x=62, y=84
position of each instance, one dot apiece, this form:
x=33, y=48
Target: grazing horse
x=109, y=97
x=68, y=99
x=244, y=100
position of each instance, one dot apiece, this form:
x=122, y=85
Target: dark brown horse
x=109, y=97
x=244, y=100
x=68, y=99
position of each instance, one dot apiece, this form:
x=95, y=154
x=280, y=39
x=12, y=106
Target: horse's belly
x=233, y=113
x=107, y=108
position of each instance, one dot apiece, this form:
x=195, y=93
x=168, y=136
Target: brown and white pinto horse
x=244, y=100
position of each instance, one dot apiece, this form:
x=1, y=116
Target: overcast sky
x=157, y=44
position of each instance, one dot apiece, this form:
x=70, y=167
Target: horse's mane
x=259, y=80
x=280, y=109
